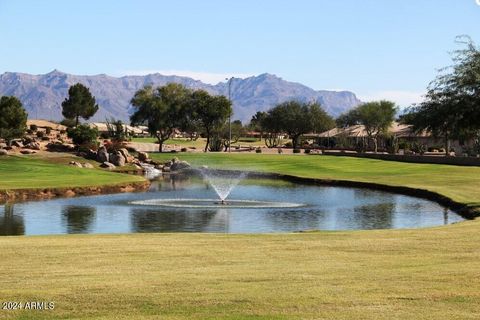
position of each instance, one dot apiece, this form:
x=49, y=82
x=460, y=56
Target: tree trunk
x=76, y=121
x=447, y=145
x=294, y=142
x=208, y=142
x=375, y=144
x=160, y=144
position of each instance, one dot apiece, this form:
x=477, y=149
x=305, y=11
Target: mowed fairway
x=429, y=273
x=27, y=172
x=398, y=274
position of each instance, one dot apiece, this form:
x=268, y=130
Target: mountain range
x=43, y=94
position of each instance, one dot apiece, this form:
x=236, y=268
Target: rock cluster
x=117, y=158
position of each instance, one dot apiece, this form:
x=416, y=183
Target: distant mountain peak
x=42, y=94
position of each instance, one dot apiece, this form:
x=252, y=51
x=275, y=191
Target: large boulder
x=33, y=145
x=91, y=154
x=102, y=155
x=117, y=159
x=143, y=156
x=58, y=146
x=16, y=143
x=87, y=165
x=179, y=165
x=107, y=165
x=126, y=155
x=3, y=152
x=3, y=145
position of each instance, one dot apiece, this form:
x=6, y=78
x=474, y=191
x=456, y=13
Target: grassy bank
x=386, y=274
x=461, y=184
x=394, y=274
x=28, y=172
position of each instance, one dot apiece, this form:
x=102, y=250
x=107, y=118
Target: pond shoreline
x=68, y=192
x=462, y=209
x=49, y=193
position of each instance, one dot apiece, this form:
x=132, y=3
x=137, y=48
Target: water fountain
x=222, y=182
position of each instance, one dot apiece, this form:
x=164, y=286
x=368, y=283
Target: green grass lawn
x=393, y=274
x=428, y=273
x=26, y=172
x=461, y=184
x=200, y=142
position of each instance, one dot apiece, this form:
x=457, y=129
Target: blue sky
x=375, y=48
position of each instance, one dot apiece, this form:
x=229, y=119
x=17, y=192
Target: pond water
x=279, y=206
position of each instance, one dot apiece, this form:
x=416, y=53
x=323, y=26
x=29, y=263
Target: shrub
x=288, y=144
x=258, y=150
x=83, y=134
x=296, y=150
x=40, y=134
x=30, y=131
x=183, y=150
x=307, y=151
x=280, y=150
x=33, y=127
x=48, y=130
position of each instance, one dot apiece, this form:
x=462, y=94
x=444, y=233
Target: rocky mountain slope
x=42, y=95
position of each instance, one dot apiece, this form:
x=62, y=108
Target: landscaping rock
x=16, y=143
x=143, y=156
x=33, y=145
x=180, y=165
x=87, y=165
x=117, y=159
x=76, y=164
x=60, y=147
x=3, y=152
x=166, y=169
x=124, y=152
x=102, y=155
x=107, y=165
x=26, y=151
x=3, y=145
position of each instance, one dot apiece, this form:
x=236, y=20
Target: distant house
x=348, y=138
x=139, y=131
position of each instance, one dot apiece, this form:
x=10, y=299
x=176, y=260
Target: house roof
x=397, y=129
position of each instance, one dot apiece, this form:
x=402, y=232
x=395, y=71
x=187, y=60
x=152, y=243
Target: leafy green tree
x=83, y=135
x=213, y=113
x=297, y=118
x=161, y=109
x=451, y=108
x=116, y=130
x=79, y=104
x=256, y=122
x=13, y=119
x=375, y=116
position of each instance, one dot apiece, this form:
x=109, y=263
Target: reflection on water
x=144, y=220
x=78, y=219
x=10, y=223
x=326, y=208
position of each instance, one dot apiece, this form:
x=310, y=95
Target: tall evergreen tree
x=13, y=118
x=79, y=104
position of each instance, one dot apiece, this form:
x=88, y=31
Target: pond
x=278, y=206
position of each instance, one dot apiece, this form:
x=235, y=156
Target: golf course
x=429, y=273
